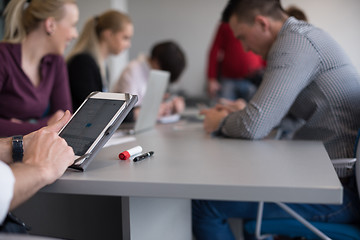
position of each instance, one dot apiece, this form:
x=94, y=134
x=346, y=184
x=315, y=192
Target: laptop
x=147, y=118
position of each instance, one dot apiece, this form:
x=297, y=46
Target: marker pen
x=143, y=156
x=131, y=152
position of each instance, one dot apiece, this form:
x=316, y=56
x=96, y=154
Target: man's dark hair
x=246, y=10
x=170, y=58
x=228, y=10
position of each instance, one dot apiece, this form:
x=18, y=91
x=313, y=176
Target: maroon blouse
x=20, y=99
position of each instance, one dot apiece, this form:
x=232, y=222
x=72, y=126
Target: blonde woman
x=34, y=88
x=104, y=35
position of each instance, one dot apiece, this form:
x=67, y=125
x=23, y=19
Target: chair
x=295, y=228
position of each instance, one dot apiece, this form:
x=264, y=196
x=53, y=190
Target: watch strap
x=17, y=148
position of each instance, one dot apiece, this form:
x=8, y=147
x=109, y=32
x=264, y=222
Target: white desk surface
x=188, y=163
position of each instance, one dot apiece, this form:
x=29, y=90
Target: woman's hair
x=297, y=13
x=23, y=16
x=88, y=41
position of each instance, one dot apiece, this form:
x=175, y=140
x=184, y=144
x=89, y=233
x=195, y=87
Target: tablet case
x=130, y=102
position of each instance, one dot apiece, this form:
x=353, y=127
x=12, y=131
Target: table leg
x=156, y=218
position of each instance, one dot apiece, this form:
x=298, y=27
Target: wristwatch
x=17, y=148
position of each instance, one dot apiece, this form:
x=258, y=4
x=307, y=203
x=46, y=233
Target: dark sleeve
x=84, y=78
x=9, y=128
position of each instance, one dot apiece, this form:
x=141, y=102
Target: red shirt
x=235, y=62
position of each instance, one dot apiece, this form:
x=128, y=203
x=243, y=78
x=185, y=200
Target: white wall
x=192, y=24
x=189, y=22
x=117, y=63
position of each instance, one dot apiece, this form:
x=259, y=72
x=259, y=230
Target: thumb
x=59, y=124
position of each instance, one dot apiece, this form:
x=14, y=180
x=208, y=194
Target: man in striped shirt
x=308, y=77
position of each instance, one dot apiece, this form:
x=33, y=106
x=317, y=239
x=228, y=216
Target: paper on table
x=169, y=119
x=119, y=138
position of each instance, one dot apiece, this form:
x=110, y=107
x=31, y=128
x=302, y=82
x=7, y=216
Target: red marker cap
x=124, y=155
x=131, y=152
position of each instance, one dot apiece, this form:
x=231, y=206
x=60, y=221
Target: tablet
x=94, y=122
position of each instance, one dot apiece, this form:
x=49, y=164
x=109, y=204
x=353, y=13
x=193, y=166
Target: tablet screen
x=86, y=125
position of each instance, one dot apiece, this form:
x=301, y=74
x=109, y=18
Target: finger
x=219, y=106
x=59, y=124
x=15, y=120
x=229, y=109
x=70, y=150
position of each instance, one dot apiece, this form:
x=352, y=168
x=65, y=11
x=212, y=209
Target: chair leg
x=303, y=221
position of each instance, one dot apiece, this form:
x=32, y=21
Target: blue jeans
x=210, y=217
x=233, y=89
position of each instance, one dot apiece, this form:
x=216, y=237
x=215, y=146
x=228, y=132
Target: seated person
x=104, y=35
x=166, y=56
x=308, y=76
x=231, y=70
x=34, y=87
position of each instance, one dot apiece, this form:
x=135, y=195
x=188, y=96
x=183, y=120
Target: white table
x=189, y=164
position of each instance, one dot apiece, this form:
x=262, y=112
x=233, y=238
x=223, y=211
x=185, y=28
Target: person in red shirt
x=230, y=67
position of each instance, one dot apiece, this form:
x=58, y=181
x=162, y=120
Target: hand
x=213, y=87
x=231, y=106
x=55, y=117
x=165, y=109
x=48, y=152
x=240, y=104
x=55, y=127
x=213, y=118
x=136, y=112
x=15, y=120
x=178, y=105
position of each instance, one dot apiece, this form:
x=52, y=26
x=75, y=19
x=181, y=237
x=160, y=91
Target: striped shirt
x=311, y=78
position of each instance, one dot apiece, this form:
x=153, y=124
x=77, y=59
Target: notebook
x=156, y=87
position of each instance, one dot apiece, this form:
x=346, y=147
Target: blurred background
x=192, y=23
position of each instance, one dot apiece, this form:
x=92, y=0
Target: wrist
x=218, y=130
x=5, y=150
x=43, y=175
